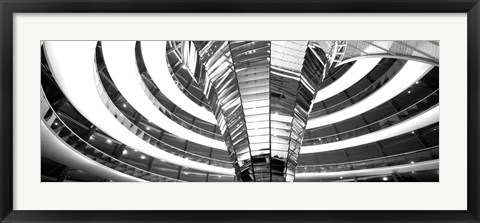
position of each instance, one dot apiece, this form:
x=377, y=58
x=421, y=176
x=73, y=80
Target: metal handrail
x=336, y=135
x=179, y=120
x=367, y=163
x=391, y=71
x=145, y=135
x=45, y=103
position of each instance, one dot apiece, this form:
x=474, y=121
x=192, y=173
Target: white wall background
x=449, y=193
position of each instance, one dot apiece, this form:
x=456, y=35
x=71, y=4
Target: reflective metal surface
x=261, y=93
x=183, y=60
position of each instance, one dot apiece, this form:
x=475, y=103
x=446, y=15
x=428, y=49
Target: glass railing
x=397, y=66
x=145, y=136
x=431, y=153
x=174, y=49
x=409, y=112
x=53, y=121
x=181, y=121
x=175, y=117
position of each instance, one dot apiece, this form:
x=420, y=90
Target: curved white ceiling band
x=426, y=118
x=72, y=65
x=154, y=56
x=411, y=72
x=425, y=165
x=121, y=64
x=359, y=70
x=56, y=149
x=355, y=73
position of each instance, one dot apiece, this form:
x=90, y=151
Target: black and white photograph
x=237, y=111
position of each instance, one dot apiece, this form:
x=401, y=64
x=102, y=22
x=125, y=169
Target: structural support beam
x=118, y=151
x=150, y=163
x=64, y=174
x=424, y=142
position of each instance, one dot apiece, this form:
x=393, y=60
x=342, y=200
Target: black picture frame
x=9, y=7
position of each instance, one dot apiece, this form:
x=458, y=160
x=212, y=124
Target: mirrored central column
x=261, y=93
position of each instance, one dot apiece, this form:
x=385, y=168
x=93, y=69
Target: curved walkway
x=420, y=166
x=410, y=73
x=55, y=149
x=120, y=60
x=72, y=65
x=154, y=56
x=423, y=119
x=358, y=70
